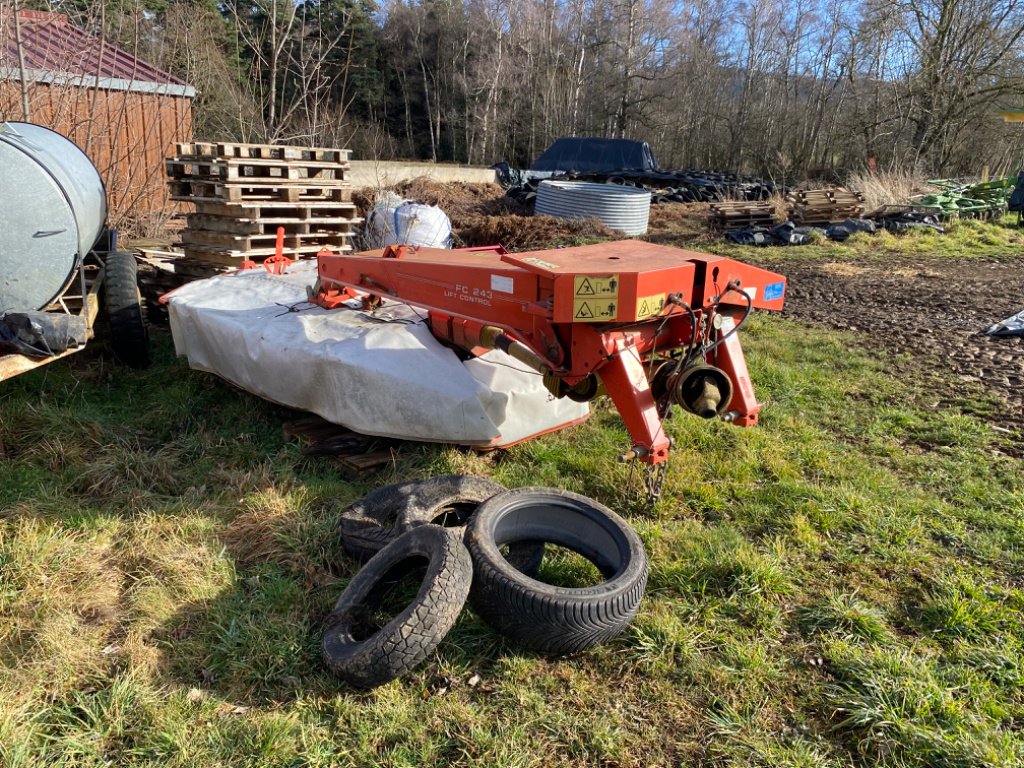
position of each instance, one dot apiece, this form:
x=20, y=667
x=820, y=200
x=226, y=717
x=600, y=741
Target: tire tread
x=129, y=338
x=416, y=632
x=545, y=618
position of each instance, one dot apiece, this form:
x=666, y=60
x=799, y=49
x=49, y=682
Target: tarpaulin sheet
x=1011, y=326
x=380, y=373
x=589, y=155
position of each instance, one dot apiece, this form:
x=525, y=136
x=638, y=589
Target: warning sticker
x=593, y=286
x=593, y=310
x=649, y=306
x=541, y=263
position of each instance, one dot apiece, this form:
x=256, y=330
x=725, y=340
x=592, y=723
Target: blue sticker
x=774, y=291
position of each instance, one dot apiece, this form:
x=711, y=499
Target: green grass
x=966, y=239
x=839, y=586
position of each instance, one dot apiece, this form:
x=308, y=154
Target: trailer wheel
x=129, y=338
x=366, y=655
x=450, y=501
x=547, y=618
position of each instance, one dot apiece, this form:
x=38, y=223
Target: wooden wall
x=126, y=135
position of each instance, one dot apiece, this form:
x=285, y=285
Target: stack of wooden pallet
x=821, y=207
x=727, y=216
x=242, y=194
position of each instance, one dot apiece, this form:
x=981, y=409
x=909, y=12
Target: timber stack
x=726, y=216
x=821, y=207
x=242, y=193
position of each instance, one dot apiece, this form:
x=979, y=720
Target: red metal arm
x=580, y=315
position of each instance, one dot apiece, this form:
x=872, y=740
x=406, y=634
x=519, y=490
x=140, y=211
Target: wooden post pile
x=821, y=207
x=242, y=193
x=727, y=216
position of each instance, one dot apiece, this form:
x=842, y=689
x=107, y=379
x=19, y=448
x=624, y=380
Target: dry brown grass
x=519, y=233
x=123, y=466
x=780, y=208
x=282, y=527
x=481, y=215
x=887, y=187
x=457, y=200
x=680, y=224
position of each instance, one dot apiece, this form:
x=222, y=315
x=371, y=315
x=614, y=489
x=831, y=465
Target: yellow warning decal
x=541, y=263
x=649, y=306
x=592, y=310
x=596, y=287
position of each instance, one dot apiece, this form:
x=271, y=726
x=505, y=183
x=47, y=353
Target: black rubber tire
x=418, y=629
x=368, y=525
x=458, y=497
x=129, y=338
x=547, y=618
x=379, y=517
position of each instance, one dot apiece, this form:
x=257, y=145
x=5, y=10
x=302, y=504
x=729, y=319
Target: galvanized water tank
x=626, y=209
x=52, y=211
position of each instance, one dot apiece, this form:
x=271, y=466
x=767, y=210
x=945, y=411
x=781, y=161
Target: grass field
x=967, y=239
x=840, y=586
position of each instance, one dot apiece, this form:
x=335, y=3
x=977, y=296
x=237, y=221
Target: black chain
x=652, y=481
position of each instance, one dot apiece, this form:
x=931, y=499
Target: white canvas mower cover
x=381, y=373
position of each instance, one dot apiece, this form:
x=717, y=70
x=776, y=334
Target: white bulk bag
x=394, y=221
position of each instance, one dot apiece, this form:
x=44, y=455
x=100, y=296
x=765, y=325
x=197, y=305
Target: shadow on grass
x=257, y=641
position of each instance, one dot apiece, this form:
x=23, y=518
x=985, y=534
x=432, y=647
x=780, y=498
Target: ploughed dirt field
x=933, y=311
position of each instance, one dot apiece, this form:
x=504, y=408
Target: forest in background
x=788, y=89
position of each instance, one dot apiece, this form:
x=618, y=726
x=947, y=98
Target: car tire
x=375, y=520
x=451, y=501
x=368, y=525
x=367, y=656
x=541, y=616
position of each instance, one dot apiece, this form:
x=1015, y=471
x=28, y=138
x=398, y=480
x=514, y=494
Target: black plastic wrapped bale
x=52, y=211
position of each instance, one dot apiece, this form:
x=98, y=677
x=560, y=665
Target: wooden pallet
x=738, y=215
x=253, y=171
x=166, y=270
x=827, y=196
x=742, y=205
x=357, y=455
x=194, y=191
x=826, y=210
x=821, y=207
x=214, y=265
x=174, y=263
x=268, y=226
x=743, y=214
x=208, y=254
x=255, y=242
x=743, y=223
x=163, y=271
x=825, y=216
x=263, y=151
x=279, y=210
x=242, y=194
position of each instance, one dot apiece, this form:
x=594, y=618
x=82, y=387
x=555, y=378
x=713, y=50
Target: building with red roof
x=126, y=114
